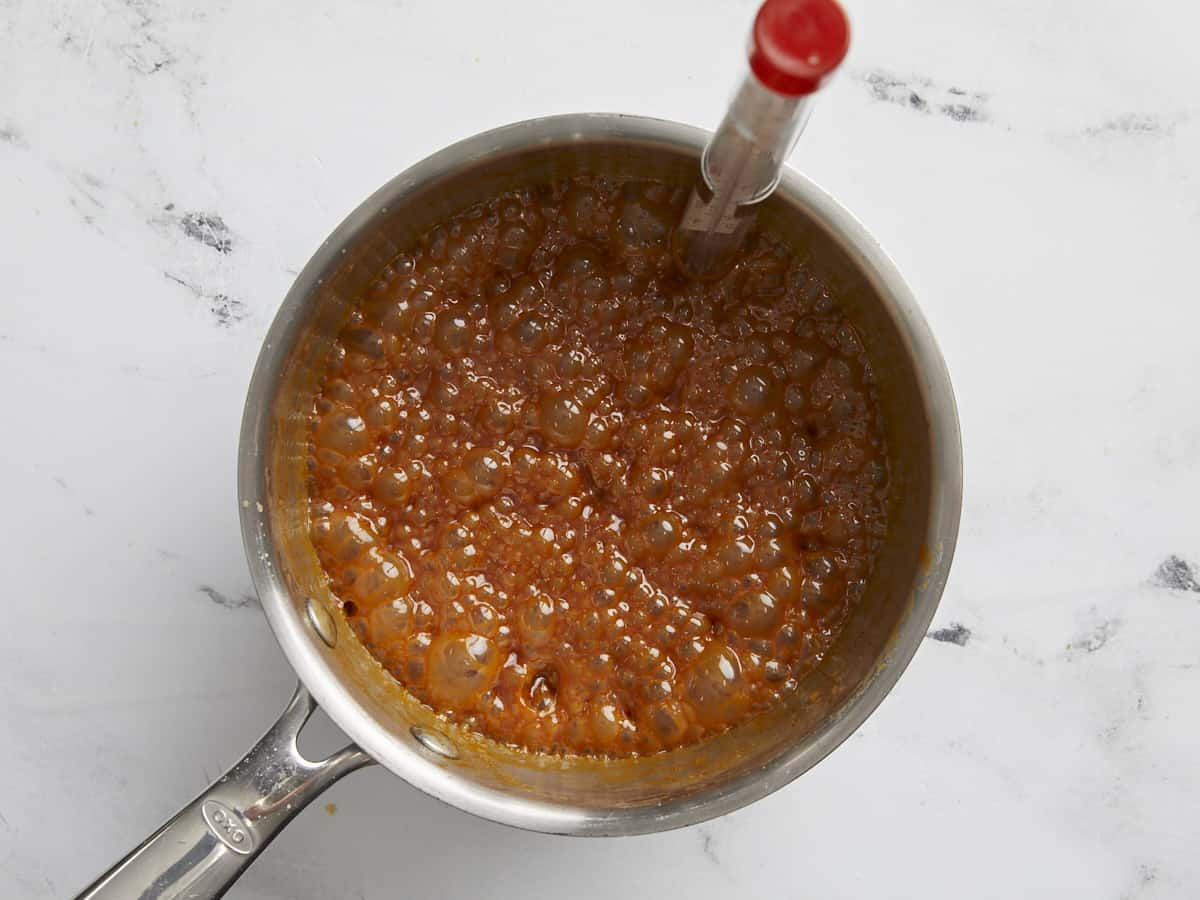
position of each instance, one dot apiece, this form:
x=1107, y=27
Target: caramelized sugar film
x=580, y=504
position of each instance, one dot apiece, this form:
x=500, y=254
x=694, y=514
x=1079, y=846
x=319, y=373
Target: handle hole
x=435, y=742
x=320, y=739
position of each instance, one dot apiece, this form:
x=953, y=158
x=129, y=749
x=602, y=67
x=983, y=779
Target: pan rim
x=513, y=809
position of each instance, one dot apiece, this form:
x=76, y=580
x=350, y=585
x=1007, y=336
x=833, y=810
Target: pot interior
x=786, y=739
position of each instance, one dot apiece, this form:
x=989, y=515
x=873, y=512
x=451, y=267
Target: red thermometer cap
x=796, y=44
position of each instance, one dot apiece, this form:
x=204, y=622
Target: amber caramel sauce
x=580, y=504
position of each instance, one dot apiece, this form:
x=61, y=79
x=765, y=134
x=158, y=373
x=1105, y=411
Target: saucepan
x=200, y=851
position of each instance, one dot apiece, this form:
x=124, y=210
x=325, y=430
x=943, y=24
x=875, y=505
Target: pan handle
x=200, y=852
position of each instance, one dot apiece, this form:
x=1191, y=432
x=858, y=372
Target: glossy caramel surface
x=579, y=503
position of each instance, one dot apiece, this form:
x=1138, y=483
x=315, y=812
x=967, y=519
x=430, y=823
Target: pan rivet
x=434, y=742
x=320, y=621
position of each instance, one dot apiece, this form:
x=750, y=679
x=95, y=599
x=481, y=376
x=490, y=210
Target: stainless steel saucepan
x=199, y=852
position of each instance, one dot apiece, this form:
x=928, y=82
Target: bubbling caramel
x=580, y=504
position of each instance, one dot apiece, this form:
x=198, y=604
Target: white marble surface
x=1034, y=168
